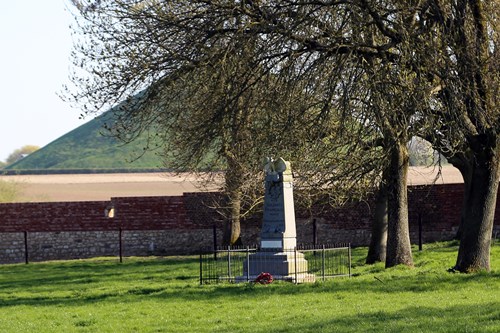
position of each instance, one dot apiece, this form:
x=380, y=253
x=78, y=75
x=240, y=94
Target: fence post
x=214, y=229
x=248, y=264
x=315, y=234
x=349, y=246
x=295, y=260
x=420, y=231
x=201, y=268
x=120, y=244
x=323, y=262
x=26, y=260
x=229, y=262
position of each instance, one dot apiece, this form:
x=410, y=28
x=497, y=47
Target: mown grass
x=164, y=295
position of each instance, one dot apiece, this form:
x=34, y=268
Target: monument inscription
x=278, y=226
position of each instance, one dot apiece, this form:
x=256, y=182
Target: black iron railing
x=301, y=264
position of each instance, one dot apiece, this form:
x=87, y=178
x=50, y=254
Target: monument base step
x=299, y=278
x=283, y=263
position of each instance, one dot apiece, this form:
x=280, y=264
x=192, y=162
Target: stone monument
x=278, y=225
x=278, y=255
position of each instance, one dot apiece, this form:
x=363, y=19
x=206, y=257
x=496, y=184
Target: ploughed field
x=89, y=187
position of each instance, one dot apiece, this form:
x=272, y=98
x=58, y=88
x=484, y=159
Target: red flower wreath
x=264, y=278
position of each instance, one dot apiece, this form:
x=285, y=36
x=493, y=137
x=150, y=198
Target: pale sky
x=35, y=45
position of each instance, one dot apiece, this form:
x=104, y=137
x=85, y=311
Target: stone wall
x=12, y=249
x=141, y=226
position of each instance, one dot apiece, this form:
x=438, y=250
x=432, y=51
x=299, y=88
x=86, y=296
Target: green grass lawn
x=164, y=295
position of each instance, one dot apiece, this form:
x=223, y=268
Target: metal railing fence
x=301, y=264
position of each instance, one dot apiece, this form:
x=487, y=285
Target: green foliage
x=9, y=191
x=20, y=153
x=88, y=147
x=163, y=295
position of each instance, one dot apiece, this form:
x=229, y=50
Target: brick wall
x=53, y=216
x=184, y=224
x=438, y=208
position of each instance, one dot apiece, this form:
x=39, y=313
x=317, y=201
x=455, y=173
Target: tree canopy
x=17, y=154
x=341, y=77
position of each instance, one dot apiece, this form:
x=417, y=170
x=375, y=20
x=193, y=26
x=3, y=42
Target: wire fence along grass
x=303, y=264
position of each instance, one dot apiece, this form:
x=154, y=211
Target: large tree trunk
x=461, y=161
x=398, y=235
x=378, y=243
x=479, y=210
x=232, y=227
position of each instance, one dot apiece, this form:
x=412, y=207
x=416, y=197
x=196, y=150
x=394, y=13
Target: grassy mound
x=90, y=147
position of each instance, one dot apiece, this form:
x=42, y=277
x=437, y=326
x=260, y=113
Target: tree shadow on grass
x=386, y=284
x=454, y=318
x=79, y=283
x=186, y=287
x=60, y=275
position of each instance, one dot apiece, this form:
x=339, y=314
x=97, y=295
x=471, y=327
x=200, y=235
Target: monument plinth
x=278, y=238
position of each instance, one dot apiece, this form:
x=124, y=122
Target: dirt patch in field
x=97, y=187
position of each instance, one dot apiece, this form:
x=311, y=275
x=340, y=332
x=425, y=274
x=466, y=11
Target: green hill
x=87, y=148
